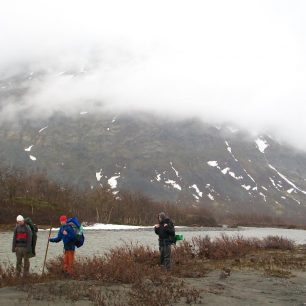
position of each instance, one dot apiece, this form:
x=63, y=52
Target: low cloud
x=223, y=61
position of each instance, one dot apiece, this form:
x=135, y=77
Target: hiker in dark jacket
x=67, y=234
x=165, y=230
x=22, y=245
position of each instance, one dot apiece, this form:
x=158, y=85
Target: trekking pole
x=43, y=270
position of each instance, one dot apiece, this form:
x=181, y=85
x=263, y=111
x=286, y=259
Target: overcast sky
x=223, y=61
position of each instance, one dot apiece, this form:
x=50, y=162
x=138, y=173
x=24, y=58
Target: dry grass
x=226, y=247
x=138, y=268
x=8, y=277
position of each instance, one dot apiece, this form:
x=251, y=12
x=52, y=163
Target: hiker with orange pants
x=67, y=234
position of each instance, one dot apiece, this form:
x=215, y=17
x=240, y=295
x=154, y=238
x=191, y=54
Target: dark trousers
x=22, y=253
x=165, y=254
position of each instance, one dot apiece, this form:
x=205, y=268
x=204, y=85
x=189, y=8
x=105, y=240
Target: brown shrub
x=132, y=263
x=227, y=247
x=9, y=277
x=278, y=243
x=126, y=264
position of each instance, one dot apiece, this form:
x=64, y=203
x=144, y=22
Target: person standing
x=67, y=234
x=165, y=231
x=22, y=245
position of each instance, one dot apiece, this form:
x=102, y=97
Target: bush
x=278, y=243
x=227, y=247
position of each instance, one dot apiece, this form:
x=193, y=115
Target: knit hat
x=19, y=218
x=63, y=218
x=162, y=216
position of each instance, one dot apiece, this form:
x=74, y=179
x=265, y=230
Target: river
x=101, y=239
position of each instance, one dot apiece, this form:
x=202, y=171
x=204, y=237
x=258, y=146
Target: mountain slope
x=183, y=161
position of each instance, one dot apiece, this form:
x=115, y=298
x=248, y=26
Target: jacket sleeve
x=29, y=240
x=14, y=241
x=58, y=238
x=156, y=229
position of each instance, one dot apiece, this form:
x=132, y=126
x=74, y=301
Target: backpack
x=78, y=229
x=172, y=237
x=34, y=229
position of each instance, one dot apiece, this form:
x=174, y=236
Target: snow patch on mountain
x=213, y=163
x=176, y=172
x=113, y=181
x=264, y=197
x=294, y=199
x=211, y=197
x=99, y=175
x=29, y=148
x=250, y=176
x=32, y=157
x=42, y=129
x=273, y=183
x=247, y=187
x=211, y=191
x=287, y=180
x=225, y=170
x=196, y=197
x=174, y=184
x=229, y=149
x=261, y=145
x=194, y=186
x=232, y=174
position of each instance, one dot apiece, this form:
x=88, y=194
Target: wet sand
x=242, y=287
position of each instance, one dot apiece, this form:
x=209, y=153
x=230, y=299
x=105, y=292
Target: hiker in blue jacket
x=67, y=234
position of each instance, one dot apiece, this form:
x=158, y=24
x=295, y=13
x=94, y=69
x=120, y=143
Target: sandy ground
x=251, y=288
x=244, y=287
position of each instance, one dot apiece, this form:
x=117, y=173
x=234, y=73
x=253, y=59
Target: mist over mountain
x=200, y=104
x=241, y=63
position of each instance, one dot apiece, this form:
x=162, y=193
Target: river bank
x=243, y=287
x=223, y=271
x=99, y=241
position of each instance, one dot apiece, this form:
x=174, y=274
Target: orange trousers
x=68, y=261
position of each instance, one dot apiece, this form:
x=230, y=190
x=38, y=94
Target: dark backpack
x=34, y=229
x=78, y=229
x=172, y=237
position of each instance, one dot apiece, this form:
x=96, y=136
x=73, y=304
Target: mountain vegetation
x=35, y=196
